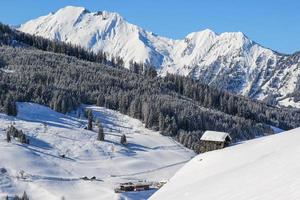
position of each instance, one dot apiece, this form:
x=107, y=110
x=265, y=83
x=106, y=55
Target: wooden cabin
x=213, y=140
x=138, y=186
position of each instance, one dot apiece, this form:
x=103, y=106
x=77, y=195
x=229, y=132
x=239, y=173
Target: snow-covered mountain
x=148, y=155
x=229, y=61
x=264, y=168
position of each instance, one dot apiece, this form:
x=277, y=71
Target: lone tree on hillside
x=8, y=138
x=23, y=138
x=25, y=196
x=90, y=117
x=100, y=132
x=123, y=140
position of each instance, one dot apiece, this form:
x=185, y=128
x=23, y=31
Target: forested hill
x=12, y=37
x=174, y=105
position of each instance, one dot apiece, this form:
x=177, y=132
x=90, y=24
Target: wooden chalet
x=213, y=140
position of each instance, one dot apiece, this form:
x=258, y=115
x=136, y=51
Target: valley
x=148, y=156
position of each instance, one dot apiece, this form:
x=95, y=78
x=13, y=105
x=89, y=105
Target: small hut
x=213, y=140
x=138, y=186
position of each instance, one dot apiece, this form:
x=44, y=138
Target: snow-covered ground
x=148, y=156
x=265, y=168
x=289, y=102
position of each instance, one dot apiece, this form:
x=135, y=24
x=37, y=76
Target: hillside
x=264, y=168
x=229, y=61
x=174, y=105
x=148, y=156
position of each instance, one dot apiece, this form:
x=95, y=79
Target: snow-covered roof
x=215, y=136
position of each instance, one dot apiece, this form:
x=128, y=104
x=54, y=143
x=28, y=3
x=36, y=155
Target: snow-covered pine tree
x=123, y=140
x=8, y=138
x=10, y=107
x=90, y=117
x=23, y=139
x=25, y=196
x=100, y=132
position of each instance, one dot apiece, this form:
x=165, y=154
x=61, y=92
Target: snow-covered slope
x=228, y=61
x=265, y=168
x=148, y=156
x=102, y=30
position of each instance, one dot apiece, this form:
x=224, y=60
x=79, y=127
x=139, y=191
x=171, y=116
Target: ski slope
x=265, y=168
x=148, y=156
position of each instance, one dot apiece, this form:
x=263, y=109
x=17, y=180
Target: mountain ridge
x=229, y=61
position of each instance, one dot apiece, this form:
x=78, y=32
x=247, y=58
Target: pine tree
x=12, y=131
x=24, y=197
x=64, y=106
x=8, y=138
x=161, y=122
x=100, y=132
x=90, y=119
x=123, y=140
x=23, y=138
x=10, y=106
x=100, y=100
x=16, y=198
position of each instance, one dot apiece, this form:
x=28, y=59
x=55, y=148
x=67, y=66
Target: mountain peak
x=234, y=35
x=70, y=12
x=82, y=10
x=73, y=9
x=200, y=34
x=239, y=39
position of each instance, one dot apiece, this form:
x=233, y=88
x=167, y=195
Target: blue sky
x=272, y=23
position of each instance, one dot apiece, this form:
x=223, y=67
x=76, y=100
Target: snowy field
x=148, y=156
x=266, y=168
